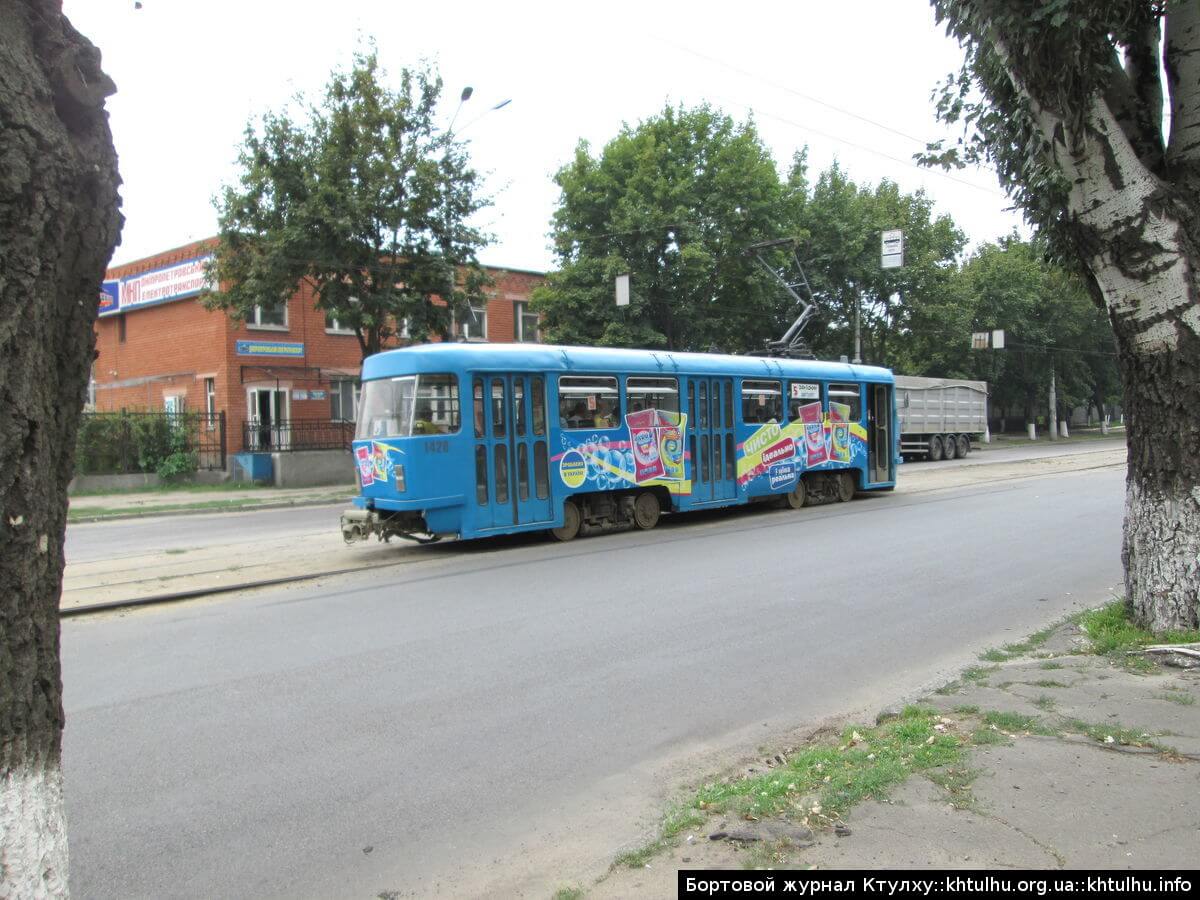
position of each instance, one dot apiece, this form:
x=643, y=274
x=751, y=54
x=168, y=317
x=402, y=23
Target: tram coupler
x=360, y=524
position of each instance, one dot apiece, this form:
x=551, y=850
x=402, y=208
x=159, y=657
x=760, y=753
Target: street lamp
x=466, y=95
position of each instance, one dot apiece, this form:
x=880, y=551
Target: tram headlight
x=400, y=484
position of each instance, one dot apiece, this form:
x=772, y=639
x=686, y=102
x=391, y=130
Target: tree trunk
x=1141, y=237
x=1162, y=489
x=59, y=222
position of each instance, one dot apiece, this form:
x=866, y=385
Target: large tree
x=365, y=199
x=840, y=224
x=672, y=202
x=1065, y=99
x=59, y=221
x=1049, y=322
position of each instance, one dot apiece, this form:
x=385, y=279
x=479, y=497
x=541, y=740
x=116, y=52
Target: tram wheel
x=797, y=496
x=935, y=448
x=845, y=486
x=646, y=510
x=571, y=522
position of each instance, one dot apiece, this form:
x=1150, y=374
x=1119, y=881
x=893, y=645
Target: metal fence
x=289, y=435
x=166, y=443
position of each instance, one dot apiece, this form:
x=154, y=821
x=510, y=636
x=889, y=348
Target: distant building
x=158, y=348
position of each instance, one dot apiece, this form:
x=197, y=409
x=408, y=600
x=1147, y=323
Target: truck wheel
x=846, y=486
x=949, y=447
x=646, y=510
x=571, y=522
x=964, y=445
x=935, y=448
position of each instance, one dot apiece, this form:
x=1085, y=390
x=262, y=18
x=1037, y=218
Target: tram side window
x=479, y=413
x=802, y=393
x=436, y=407
x=652, y=393
x=848, y=394
x=586, y=402
x=762, y=401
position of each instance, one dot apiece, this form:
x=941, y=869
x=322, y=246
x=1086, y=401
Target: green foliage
x=903, y=312
x=363, y=199
x=1048, y=318
x=673, y=202
x=103, y=444
x=116, y=443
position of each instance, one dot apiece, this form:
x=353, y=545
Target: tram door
x=512, y=468
x=710, y=439
x=879, y=433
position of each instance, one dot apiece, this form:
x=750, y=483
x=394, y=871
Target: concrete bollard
x=1104, y=425
x=987, y=435
x=1032, y=431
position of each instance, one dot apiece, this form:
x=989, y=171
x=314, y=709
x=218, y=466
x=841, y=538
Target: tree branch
x=1182, y=61
x=1134, y=94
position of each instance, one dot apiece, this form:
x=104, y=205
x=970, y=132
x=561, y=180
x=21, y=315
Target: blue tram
x=475, y=440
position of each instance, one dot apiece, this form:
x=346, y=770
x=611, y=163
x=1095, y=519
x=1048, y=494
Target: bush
x=118, y=443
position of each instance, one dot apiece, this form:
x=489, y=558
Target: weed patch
x=1110, y=631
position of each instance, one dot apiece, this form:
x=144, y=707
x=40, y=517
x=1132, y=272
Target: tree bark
x=59, y=221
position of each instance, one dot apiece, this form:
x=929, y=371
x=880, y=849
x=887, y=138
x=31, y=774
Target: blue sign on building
x=270, y=348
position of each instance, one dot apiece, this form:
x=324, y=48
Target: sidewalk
x=129, y=504
x=1051, y=756
x=217, y=567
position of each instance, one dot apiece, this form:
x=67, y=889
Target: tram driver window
x=762, y=402
x=586, y=402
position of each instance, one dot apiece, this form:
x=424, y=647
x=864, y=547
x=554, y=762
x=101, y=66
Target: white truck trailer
x=939, y=417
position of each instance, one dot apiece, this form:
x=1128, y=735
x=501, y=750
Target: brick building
x=284, y=373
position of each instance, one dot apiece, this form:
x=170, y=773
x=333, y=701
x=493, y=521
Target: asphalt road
x=500, y=698
x=90, y=541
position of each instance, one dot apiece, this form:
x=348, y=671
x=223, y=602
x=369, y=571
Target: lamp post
x=466, y=95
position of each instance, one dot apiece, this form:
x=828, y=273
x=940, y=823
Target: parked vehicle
x=477, y=440
x=939, y=417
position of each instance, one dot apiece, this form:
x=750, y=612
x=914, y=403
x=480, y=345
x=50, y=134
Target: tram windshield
x=408, y=405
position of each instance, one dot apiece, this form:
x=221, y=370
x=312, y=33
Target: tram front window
x=411, y=404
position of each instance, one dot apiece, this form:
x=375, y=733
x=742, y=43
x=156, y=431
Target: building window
x=474, y=325
x=333, y=326
x=343, y=399
x=210, y=401
x=268, y=316
x=525, y=323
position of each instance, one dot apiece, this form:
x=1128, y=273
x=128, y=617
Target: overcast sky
x=851, y=80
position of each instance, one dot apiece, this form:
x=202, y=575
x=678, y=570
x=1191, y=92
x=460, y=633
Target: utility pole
x=1052, y=421
x=857, y=335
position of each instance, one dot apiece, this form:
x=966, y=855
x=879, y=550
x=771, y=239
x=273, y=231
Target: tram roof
x=482, y=357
